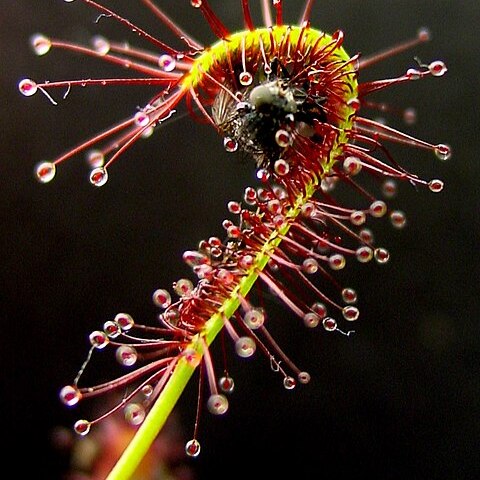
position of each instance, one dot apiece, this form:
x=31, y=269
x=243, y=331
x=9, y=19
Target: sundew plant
x=290, y=98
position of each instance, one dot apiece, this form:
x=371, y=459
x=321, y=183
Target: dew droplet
x=245, y=78
x=147, y=390
x=329, y=324
x=98, y=339
x=100, y=44
x=81, y=427
x=141, y=119
x=378, y=208
x=364, y=254
x=410, y=116
x=281, y=167
x=382, y=255
x=40, y=43
x=352, y=165
x=226, y=383
x=283, y=138
x=95, y=158
x=45, y=172
x=225, y=277
x=196, y=3
x=230, y=144
x=245, y=347
x=167, y=63
x=234, y=207
x=349, y=295
x=304, y=377
x=183, y=287
x=310, y=266
x=192, y=448
x=124, y=320
x=112, y=329
x=311, y=320
x=443, y=152
x=217, y=404
x=350, y=313
x=389, y=188
x=27, y=87
x=289, y=383
x=320, y=309
x=126, y=355
x=398, y=219
x=134, y=414
x=435, y=185
x=337, y=261
x=437, y=68
x=358, y=217
x=98, y=176
x=162, y=298
x=70, y=395
x=192, y=357
x=366, y=235
x=254, y=318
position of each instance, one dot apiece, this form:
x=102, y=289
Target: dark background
x=398, y=399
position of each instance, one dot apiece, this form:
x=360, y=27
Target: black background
x=398, y=399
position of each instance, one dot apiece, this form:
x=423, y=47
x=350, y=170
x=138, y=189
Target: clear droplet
x=283, y=138
x=225, y=277
x=358, y=217
x=162, y=298
x=435, y=186
x=196, y=3
x=192, y=448
x=320, y=309
x=329, y=324
x=124, y=320
x=311, y=320
x=70, y=395
x=81, y=427
x=378, y=208
x=254, y=318
x=167, y=63
x=95, y=158
x=183, y=287
x=40, y=43
x=230, y=144
x=45, y=172
x=126, y=355
x=98, y=176
x=141, y=119
x=27, y=87
x=350, y=313
x=337, y=261
x=382, y=255
x=289, y=383
x=281, y=167
x=304, y=377
x=217, y=404
x=437, y=68
x=366, y=235
x=245, y=347
x=234, y=207
x=192, y=357
x=364, y=254
x=245, y=79
x=226, y=383
x=98, y=339
x=352, y=166
x=310, y=266
x=349, y=295
x=443, y=152
x=398, y=219
x=147, y=390
x=389, y=188
x=112, y=329
x=134, y=414
x=100, y=44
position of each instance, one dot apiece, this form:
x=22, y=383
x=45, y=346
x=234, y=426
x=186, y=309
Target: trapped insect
x=291, y=98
